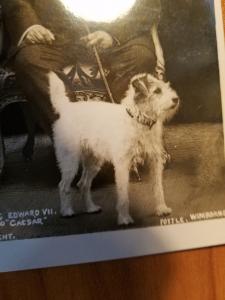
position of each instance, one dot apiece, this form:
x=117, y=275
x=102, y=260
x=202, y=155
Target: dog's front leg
x=122, y=181
x=157, y=176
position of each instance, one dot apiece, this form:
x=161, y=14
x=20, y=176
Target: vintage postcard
x=112, y=132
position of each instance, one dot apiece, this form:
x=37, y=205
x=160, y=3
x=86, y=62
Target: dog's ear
x=160, y=77
x=141, y=85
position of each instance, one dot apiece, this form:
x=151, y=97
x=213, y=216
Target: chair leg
x=2, y=151
x=28, y=148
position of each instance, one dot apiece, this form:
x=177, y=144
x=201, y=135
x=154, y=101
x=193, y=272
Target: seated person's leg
x=126, y=62
x=31, y=65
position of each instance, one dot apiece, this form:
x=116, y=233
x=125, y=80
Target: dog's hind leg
x=91, y=169
x=82, y=179
x=157, y=175
x=68, y=164
x=122, y=182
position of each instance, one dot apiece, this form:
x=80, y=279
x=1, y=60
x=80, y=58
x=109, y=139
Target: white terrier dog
x=96, y=132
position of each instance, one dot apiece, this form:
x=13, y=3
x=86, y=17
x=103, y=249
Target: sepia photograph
x=111, y=119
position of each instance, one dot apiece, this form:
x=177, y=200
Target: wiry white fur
x=95, y=132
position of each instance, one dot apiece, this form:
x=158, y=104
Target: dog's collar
x=140, y=117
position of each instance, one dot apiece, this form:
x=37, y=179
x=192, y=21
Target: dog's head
x=153, y=97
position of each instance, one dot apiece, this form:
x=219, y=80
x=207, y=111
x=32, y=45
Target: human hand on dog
x=40, y=34
x=101, y=39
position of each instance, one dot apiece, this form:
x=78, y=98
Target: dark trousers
x=33, y=62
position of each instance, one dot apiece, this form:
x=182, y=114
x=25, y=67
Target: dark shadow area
x=188, y=36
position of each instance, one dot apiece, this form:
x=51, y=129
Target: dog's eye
x=157, y=91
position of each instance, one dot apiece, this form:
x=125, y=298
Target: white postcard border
x=83, y=248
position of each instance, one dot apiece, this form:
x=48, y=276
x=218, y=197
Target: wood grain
x=190, y=275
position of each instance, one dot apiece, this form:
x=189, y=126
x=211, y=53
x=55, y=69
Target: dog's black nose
x=175, y=100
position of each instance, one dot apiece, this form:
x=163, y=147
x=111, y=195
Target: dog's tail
x=57, y=91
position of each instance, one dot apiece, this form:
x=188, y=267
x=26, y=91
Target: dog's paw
x=163, y=210
x=93, y=209
x=67, y=212
x=125, y=220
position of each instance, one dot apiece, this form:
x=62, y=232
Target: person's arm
x=137, y=22
x=22, y=23
x=18, y=16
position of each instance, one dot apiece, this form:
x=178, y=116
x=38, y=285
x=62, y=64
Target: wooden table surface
x=190, y=275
